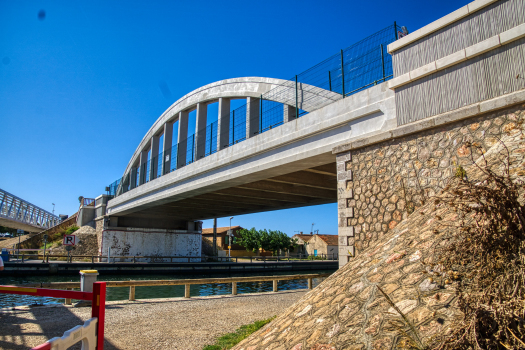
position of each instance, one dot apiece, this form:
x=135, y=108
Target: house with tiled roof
x=318, y=245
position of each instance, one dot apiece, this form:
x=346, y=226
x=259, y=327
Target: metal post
x=214, y=236
x=330, y=80
x=234, y=288
x=233, y=127
x=395, y=30
x=275, y=289
x=260, y=115
x=383, y=61
x=211, y=136
x=296, y=100
x=343, y=73
x=310, y=280
x=193, y=148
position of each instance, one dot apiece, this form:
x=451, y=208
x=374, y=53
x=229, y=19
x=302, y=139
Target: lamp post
x=312, y=230
x=45, y=244
x=230, y=234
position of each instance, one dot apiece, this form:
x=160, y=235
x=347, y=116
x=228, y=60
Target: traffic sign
x=69, y=240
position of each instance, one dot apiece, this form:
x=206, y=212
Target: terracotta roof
x=219, y=229
x=305, y=238
x=329, y=239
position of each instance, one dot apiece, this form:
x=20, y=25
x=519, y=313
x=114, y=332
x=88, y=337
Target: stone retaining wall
x=381, y=184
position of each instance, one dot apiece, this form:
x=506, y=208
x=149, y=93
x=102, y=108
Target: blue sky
x=80, y=86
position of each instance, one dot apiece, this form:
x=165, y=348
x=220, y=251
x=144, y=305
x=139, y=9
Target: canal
x=152, y=292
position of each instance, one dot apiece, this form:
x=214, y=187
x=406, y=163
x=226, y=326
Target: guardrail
x=186, y=282
x=79, y=333
x=160, y=259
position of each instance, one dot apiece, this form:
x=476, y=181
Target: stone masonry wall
x=381, y=184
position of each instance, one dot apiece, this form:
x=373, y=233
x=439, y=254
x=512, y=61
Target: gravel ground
x=176, y=323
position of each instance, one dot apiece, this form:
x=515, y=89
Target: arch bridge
x=273, y=152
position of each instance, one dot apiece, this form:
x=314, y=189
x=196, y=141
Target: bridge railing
x=353, y=69
x=22, y=256
x=16, y=209
x=188, y=282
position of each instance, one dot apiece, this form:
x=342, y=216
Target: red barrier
x=97, y=298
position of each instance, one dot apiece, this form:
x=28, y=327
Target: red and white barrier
x=91, y=333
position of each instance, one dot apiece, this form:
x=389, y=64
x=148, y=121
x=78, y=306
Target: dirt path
x=176, y=323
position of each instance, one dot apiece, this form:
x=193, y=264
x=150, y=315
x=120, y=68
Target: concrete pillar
x=200, y=130
x=153, y=171
x=168, y=139
x=182, y=147
x=252, y=116
x=223, y=121
x=143, y=166
x=288, y=113
x=133, y=180
x=345, y=195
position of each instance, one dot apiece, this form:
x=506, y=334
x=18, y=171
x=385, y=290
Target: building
x=302, y=242
x=222, y=241
x=318, y=245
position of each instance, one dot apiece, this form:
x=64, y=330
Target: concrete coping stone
x=437, y=120
x=440, y=23
x=457, y=57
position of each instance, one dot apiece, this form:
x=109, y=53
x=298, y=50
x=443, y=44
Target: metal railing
x=16, y=209
x=356, y=68
x=24, y=257
x=186, y=283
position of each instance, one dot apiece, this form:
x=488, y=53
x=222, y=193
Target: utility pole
x=312, y=230
x=215, y=237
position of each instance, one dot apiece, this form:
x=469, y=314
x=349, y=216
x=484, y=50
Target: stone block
x=412, y=128
x=478, y=5
x=450, y=60
x=398, y=81
x=482, y=47
x=502, y=101
x=346, y=231
x=423, y=71
x=512, y=34
x=343, y=157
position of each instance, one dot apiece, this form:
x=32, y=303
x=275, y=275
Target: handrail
x=193, y=259
x=186, y=282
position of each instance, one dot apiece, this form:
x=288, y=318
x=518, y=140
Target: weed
x=230, y=339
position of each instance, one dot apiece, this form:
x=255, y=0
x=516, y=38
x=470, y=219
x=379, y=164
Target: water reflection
x=9, y=300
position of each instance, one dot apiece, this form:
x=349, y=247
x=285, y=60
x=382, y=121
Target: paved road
x=177, y=323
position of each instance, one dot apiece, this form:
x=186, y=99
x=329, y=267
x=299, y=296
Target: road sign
x=229, y=233
x=69, y=240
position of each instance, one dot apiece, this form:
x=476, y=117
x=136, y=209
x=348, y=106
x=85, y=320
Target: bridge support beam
x=288, y=113
x=200, y=130
x=143, y=166
x=166, y=147
x=223, y=120
x=182, y=147
x=153, y=171
x=133, y=180
x=252, y=116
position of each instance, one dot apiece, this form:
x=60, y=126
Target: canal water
x=152, y=292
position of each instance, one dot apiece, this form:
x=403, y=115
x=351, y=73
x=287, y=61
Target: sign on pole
x=69, y=240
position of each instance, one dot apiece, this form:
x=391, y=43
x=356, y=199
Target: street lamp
x=230, y=234
x=312, y=230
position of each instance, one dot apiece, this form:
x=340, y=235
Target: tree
x=268, y=240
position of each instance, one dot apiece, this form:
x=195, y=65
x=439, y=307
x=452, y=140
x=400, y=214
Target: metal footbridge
x=20, y=214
